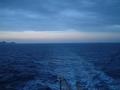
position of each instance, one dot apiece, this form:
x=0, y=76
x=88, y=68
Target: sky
x=32, y=21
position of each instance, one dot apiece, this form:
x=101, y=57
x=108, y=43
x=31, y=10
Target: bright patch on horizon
x=58, y=36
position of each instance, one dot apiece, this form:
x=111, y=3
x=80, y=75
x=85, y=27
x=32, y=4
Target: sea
x=82, y=66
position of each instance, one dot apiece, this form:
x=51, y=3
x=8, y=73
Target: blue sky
x=97, y=18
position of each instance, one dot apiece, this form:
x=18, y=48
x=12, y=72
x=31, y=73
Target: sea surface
x=89, y=66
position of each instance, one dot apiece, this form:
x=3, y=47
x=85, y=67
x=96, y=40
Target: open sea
x=85, y=66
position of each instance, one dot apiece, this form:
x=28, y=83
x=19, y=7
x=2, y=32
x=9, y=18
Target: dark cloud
x=84, y=15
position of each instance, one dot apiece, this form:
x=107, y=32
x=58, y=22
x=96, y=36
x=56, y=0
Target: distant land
x=4, y=42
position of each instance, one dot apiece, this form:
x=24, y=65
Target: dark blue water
x=38, y=66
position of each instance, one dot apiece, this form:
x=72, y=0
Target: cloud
x=55, y=15
x=115, y=26
x=72, y=13
x=18, y=13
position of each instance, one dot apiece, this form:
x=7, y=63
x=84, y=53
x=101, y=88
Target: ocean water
x=39, y=66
